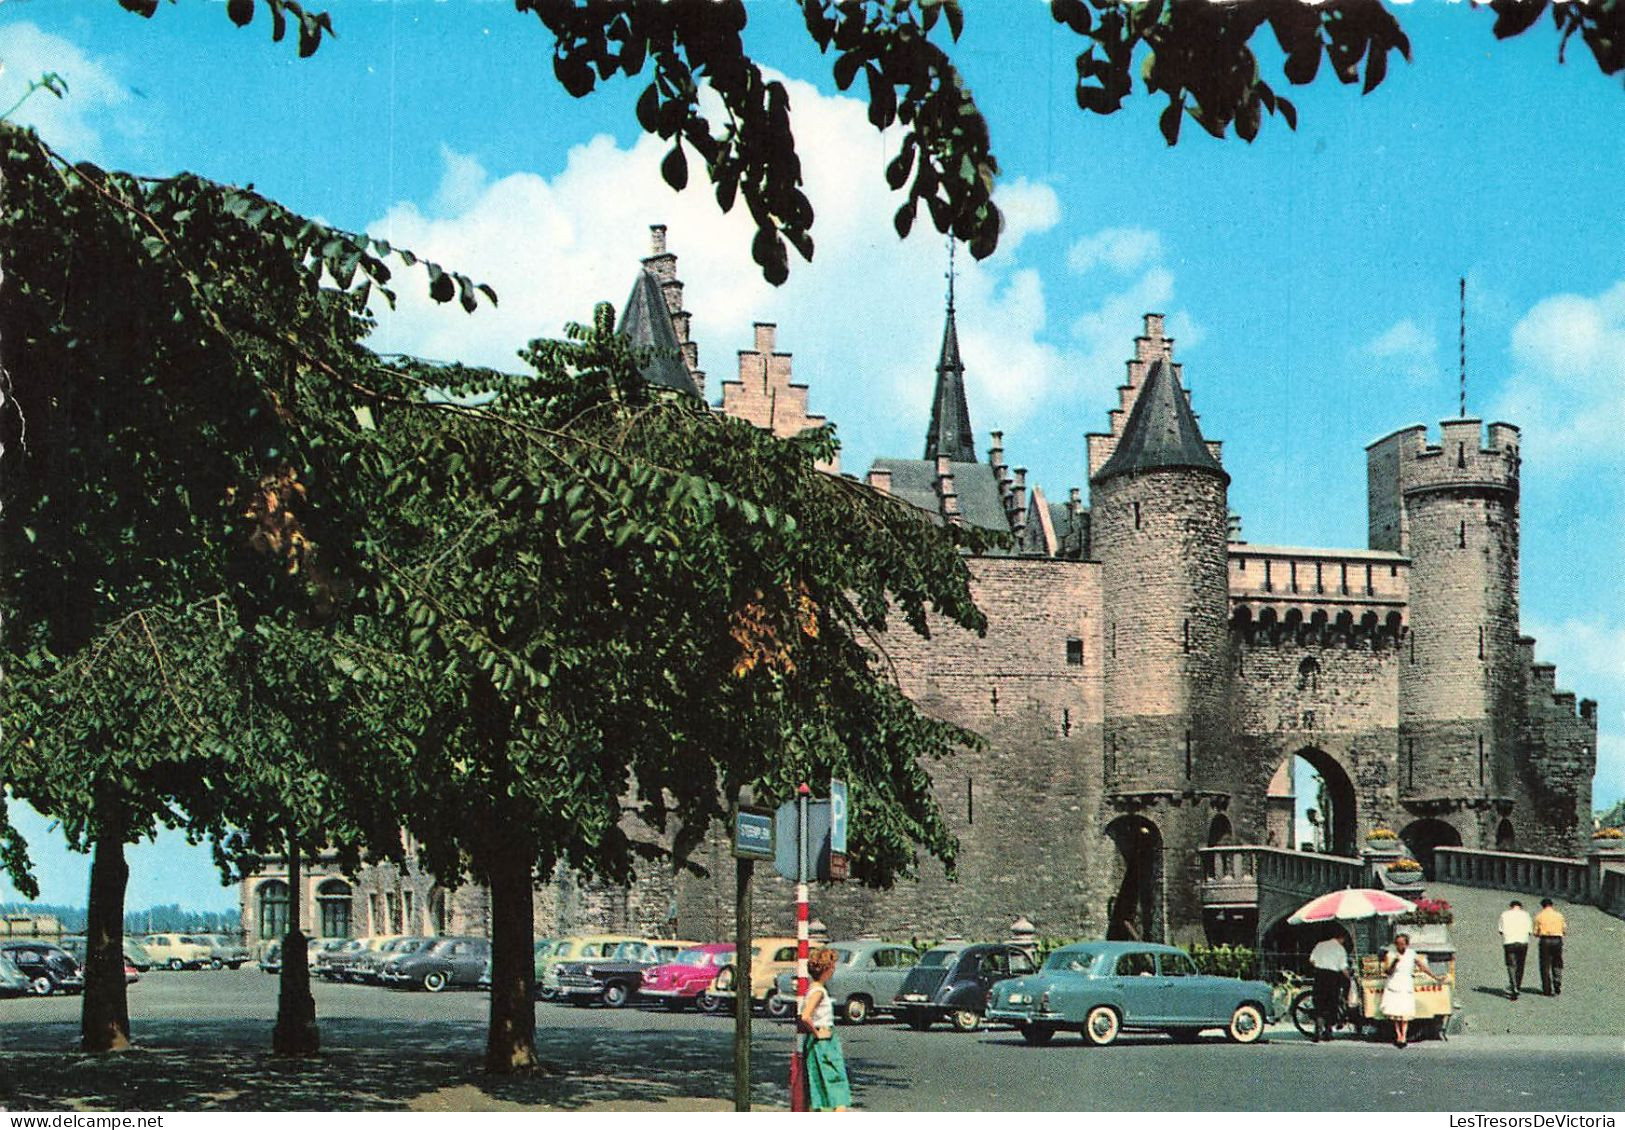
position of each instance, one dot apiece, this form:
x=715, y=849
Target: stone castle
x=1148, y=679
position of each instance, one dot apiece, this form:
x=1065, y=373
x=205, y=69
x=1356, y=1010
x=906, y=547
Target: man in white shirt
x=1515, y=927
x=1330, y=962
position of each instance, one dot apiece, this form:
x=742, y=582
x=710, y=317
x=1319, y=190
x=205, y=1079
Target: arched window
x=333, y=908
x=272, y=912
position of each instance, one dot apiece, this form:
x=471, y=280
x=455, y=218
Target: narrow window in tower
x=1461, y=538
x=1481, y=643
x=1412, y=636
x=1461, y=455
x=1066, y=721
x=1187, y=755
x=1368, y=589
x=1269, y=586
x=1074, y=652
x=1293, y=580
x=1187, y=635
x=995, y=697
x=1114, y=640
x=1136, y=515
x=1393, y=570
x=1343, y=586
x=1410, y=766
x=1481, y=759
x=1320, y=578
x=970, y=800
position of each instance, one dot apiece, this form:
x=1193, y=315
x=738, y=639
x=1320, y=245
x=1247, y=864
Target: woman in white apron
x=1399, y=992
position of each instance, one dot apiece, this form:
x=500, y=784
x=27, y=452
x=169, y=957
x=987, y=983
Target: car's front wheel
x=615, y=994
x=216, y=963
x=177, y=964
x=434, y=981
x=857, y=1010
x=1037, y=1034
x=710, y=1003
x=1101, y=1026
x=966, y=1021
x=42, y=986
x=1246, y=1024
x=780, y=1007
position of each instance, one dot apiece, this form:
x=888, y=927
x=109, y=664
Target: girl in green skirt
x=827, y=1085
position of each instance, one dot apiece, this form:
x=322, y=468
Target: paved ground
x=203, y=1036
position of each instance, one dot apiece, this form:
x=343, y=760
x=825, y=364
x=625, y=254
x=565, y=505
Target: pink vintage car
x=679, y=983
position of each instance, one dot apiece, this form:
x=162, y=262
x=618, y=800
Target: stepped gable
x=1161, y=432
x=950, y=431
x=646, y=322
x=974, y=490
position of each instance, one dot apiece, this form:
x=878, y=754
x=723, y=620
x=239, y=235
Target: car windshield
x=1070, y=961
x=410, y=945
x=695, y=957
x=845, y=956
x=629, y=951
x=936, y=959
x=442, y=945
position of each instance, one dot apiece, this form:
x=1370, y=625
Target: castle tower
x=654, y=319
x=1453, y=508
x=1160, y=513
x=950, y=431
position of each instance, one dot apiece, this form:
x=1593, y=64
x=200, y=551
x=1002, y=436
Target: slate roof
x=646, y=322
x=980, y=503
x=1161, y=432
x=950, y=430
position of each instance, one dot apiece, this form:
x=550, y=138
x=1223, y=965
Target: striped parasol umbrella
x=1350, y=906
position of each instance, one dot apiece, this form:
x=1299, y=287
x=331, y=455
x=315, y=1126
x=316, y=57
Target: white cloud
x=1118, y=249
x=1567, y=387
x=864, y=319
x=1409, y=348
x=68, y=123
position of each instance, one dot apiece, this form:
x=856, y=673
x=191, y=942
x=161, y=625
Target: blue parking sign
x=837, y=816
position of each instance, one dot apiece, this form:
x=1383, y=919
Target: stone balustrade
x=1547, y=876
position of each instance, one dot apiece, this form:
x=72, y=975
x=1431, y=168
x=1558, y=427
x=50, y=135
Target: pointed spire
x=950, y=432
x=646, y=322
x=1161, y=431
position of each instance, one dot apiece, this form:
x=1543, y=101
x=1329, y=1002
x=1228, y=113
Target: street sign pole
x=742, y=946
x=798, y=1066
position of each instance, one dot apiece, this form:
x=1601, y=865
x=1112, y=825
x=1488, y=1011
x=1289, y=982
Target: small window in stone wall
x=1309, y=674
x=1136, y=515
x=970, y=800
x=1187, y=635
x=1074, y=652
x=1461, y=540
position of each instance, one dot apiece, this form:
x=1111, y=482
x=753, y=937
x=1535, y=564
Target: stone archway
x=1220, y=832
x=1135, y=911
x=1334, y=827
x=1424, y=836
x=1506, y=837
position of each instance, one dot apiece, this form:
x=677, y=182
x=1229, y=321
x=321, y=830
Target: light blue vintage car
x=1100, y=989
x=867, y=976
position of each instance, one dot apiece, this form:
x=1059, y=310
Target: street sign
x=837, y=817
x=753, y=834
x=788, y=839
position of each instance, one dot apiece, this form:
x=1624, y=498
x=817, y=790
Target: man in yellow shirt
x=1549, y=930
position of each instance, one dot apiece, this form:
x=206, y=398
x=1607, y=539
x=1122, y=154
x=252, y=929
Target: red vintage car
x=679, y=983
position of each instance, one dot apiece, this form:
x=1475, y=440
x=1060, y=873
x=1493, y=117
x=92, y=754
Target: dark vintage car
x=13, y=981
x=1099, y=989
x=951, y=983
x=367, y=969
x=441, y=964
x=615, y=978
x=136, y=958
x=48, y=967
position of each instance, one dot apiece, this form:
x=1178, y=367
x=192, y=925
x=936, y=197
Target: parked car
x=615, y=978
x=868, y=977
x=443, y=963
x=580, y=947
x=1100, y=989
x=680, y=981
x=541, y=951
x=271, y=959
x=225, y=951
x=343, y=964
x=769, y=957
x=48, y=967
x=13, y=981
x=951, y=981
x=136, y=958
x=178, y=951
x=367, y=969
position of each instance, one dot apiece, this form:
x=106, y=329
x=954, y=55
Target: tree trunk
x=511, y=1038
x=104, y=1016
x=295, y=1033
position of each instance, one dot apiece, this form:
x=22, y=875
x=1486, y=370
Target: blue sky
x=1310, y=277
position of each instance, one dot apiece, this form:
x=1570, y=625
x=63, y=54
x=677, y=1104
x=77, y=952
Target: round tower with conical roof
x=1160, y=519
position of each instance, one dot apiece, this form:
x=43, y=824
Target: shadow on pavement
x=370, y=1065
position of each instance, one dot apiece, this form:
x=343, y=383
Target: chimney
x=946, y=492
x=880, y=479
x=1018, y=515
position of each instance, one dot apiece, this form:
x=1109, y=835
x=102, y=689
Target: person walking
x=1515, y=927
x=1550, y=927
x=827, y=1085
x=1330, y=962
x=1399, y=991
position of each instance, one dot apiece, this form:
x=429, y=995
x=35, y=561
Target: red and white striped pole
x=798, y=1066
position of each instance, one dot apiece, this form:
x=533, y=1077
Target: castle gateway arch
x=1331, y=801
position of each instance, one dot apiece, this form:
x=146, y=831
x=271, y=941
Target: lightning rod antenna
x=1463, y=340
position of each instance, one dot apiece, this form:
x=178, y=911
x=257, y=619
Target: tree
x=623, y=608
x=172, y=346
x=1196, y=53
